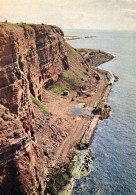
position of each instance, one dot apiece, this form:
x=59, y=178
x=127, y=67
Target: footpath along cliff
x=41, y=79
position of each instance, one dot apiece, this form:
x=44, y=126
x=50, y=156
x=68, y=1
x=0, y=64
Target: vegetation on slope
x=39, y=104
x=74, y=78
x=68, y=80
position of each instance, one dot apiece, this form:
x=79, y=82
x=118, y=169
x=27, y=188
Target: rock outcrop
x=31, y=59
x=95, y=57
x=102, y=110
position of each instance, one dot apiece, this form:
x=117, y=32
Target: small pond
x=77, y=109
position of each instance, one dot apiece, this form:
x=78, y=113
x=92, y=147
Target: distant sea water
x=113, y=171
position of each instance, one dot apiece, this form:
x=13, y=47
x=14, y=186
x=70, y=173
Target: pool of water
x=77, y=109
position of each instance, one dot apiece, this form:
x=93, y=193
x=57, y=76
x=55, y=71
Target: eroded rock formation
x=31, y=59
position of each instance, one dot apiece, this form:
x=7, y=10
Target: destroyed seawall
x=32, y=143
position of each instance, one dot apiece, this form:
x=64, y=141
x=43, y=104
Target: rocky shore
x=95, y=57
x=41, y=79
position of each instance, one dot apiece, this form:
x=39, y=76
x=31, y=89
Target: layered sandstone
x=31, y=57
x=34, y=147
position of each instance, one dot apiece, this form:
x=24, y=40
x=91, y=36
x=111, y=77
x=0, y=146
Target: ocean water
x=114, y=141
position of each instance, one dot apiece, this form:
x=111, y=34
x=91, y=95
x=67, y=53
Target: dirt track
x=75, y=125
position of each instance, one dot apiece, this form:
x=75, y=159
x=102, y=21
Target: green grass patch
x=38, y=103
x=83, y=71
x=21, y=24
x=56, y=89
x=86, y=73
x=26, y=24
x=6, y=23
x=67, y=81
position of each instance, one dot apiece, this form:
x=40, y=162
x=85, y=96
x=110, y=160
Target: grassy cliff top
x=23, y=24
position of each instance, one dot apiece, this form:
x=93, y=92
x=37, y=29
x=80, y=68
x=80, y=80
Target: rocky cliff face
x=35, y=147
x=31, y=57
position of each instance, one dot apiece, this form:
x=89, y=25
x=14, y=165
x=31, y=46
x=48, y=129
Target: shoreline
x=82, y=126
x=90, y=131
x=87, y=136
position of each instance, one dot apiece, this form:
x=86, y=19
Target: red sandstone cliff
x=31, y=59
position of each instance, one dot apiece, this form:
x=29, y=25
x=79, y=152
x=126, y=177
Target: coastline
x=82, y=126
x=49, y=80
x=87, y=136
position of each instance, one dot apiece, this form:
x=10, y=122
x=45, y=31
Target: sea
x=113, y=171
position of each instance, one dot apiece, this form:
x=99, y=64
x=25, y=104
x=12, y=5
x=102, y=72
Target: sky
x=72, y=14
